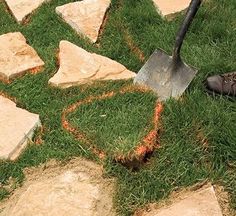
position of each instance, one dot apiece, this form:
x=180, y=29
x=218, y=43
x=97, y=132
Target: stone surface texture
x=85, y=17
x=16, y=56
x=73, y=191
x=21, y=8
x=77, y=66
x=200, y=203
x=167, y=8
x=16, y=128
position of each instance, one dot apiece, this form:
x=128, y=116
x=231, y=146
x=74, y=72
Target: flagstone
x=21, y=8
x=16, y=128
x=76, y=190
x=168, y=8
x=16, y=56
x=77, y=66
x=198, y=203
x=85, y=17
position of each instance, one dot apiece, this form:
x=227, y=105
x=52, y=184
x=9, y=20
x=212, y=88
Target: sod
x=197, y=138
x=122, y=125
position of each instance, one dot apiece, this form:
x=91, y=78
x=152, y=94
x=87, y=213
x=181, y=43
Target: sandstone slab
x=168, y=8
x=22, y=8
x=85, y=17
x=16, y=128
x=16, y=56
x=75, y=190
x=77, y=66
x=200, y=203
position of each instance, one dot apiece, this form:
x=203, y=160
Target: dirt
x=75, y=188
x=223, y=199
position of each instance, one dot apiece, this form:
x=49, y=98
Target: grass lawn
x=117, y=124
x=198, y=138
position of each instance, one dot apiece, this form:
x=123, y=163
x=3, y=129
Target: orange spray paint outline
x=146, y=146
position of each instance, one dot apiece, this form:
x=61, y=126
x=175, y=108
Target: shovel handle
x=192, y=10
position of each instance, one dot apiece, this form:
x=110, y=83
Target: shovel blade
x=167, y=81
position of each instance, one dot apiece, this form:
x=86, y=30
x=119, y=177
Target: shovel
x=166, y=75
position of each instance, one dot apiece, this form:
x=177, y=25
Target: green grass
x=116, y=125
x=185, y=158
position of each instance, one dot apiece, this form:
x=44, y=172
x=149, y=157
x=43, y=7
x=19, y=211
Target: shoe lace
x=230, y=78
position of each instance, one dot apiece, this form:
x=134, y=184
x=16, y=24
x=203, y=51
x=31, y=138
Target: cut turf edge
x=136, y=157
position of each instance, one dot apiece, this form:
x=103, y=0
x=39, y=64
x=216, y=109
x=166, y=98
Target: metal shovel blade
x=164, y=78
x=170, y=76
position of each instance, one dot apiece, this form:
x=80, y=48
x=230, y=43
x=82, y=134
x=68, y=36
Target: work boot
x=224, y=84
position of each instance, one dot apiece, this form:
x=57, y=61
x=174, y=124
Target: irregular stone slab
x=200, y=203
x=21, y=8
x=85, y=17
x=168, y=8
x=77, y=66
x=75, y=190
x=16, y=128
x=16, y=56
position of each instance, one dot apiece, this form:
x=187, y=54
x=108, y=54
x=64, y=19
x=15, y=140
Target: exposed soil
x=102, y=28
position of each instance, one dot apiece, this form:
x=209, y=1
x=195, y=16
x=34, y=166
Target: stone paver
x=168, y=8
x=200, y=203
x=85, y=17
x=21, y=8
x=72, y=191
x=16, y=128
x=16, y=56
x=77, y=66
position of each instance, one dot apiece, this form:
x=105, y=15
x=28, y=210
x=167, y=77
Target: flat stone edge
x=75, y=27
x=20, y=147
x=25, y=141
x=87, y=80
x=20, y=20
x=178, y=196
x=170, y=16
x=37, y=67
x=54, y=167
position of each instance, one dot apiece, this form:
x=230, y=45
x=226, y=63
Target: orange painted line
x=36, y=70
x=149, y=143
x=133, y=47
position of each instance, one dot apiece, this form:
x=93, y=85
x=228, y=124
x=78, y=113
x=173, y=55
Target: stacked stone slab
x=85, y=17
x=22, y=8
x=16, y=128
x=169, y=8
x=16, y=56
x=77, y=66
